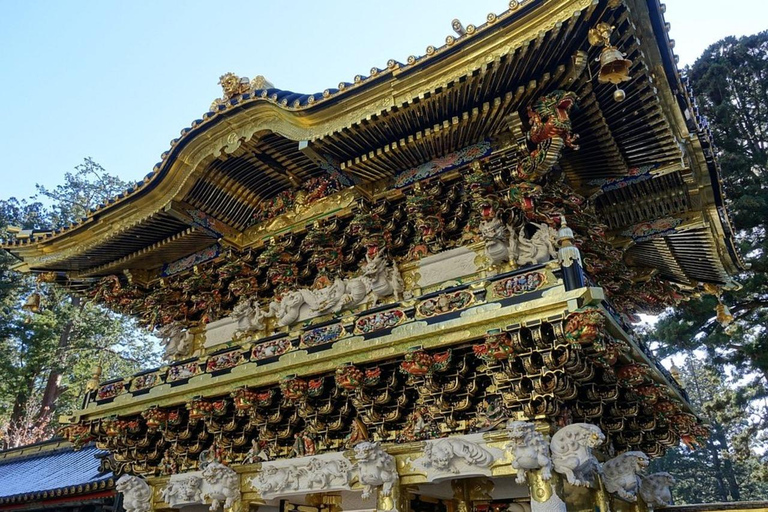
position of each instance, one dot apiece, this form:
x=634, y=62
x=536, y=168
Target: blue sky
x=117, y=81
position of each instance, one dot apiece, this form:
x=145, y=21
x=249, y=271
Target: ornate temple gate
x=414, y=291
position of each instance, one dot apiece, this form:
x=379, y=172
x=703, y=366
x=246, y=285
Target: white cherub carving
x=223, y=486
x=443, y=454
x=136, y=493
x=654, y=489
x=571, y=448
x=529, y=450
x=375, y=468
x=620, y=474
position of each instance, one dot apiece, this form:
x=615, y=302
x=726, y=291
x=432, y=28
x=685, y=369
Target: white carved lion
x=529, y=450
x=326, y=473
x=654, y=489
x=185, y=490
x=274, y=480
x=443, y=453
x=496, y=238
x=620, y=474
x=380, y=279
x=175, y=340
x=136, y=493
x=248, y=316
x=286, y=310
x=375, y=468
x=223, y=486
x=571, y=448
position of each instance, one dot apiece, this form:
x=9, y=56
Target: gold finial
x=93, y=382
x=600, y=35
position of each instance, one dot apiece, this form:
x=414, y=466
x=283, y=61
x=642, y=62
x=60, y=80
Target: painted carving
x=445, y=303
x=378, y=321
x=550, y=132
x=585, y=325
x=621, y=474
x=375, y=468
x=419, y=363
x=271, y=348
x=248, y=315
x=176, y=342
x=571, y=448
x=183, y=491
x=136, y=493
x=222, y=486
x=444, y=454
x=530, y=451
x=316, y=474
x=654, y=489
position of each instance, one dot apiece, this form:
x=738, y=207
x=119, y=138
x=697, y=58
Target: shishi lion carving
x=620, y=474
x=529, y=449
x=654, y=489
x=571, y=448
x=223, y=484
x=442, y=454
x=136, y=493
x=375, y=468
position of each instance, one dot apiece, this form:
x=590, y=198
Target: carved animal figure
x=571, y=448
x=654, y=489
x=620, y=474
x=375, y=468
x=543, y=243
x=175, y=340
x=325, y=473
x=442, y=454
x=381, y=279
x=223, y=486
x=550, y=131
x=248, y=316
x=275, y=480
x=286, y=310
x=136, y=493
x=529, y=450
x=186, y=490
x=496, y=238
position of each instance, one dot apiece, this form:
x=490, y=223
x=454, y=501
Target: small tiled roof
x=52, y=474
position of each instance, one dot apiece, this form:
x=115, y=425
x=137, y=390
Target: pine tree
x=46, y=358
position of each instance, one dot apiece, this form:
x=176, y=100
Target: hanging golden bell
x=614, y=68
x=724, y=316
x=32, y=304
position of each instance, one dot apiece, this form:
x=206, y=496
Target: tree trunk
x=727, y=468
x=718, y=467
x=53, y=387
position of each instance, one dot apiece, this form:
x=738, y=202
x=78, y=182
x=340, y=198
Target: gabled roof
x=49, y=471
x=256, y=145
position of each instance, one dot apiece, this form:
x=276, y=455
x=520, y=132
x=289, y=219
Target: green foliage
x=47, y=358
x=722, y=470
x=731, y=82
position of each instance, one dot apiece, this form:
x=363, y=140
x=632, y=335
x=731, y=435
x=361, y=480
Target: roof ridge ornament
x=233, y=86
